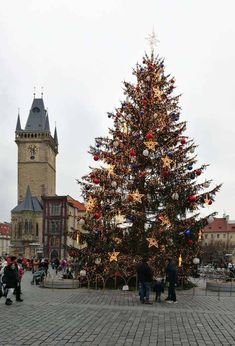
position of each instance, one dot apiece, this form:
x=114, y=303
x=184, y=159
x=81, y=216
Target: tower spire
x=55, y=137
x=18, y=124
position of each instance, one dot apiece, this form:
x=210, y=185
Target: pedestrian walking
x=11, y=280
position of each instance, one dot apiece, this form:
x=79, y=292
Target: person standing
x=171, y=278
x=145, y=277
x=11, y=280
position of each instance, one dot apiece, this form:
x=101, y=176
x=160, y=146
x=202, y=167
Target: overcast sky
x=81, y=51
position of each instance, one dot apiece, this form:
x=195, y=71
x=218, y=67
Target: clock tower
x=36, y=171
x=37, y=151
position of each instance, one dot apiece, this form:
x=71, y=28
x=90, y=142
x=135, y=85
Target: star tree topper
x=152, y=39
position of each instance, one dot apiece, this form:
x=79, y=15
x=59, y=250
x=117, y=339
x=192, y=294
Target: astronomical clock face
x=32, y=150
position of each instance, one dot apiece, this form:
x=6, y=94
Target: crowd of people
x=12, y=271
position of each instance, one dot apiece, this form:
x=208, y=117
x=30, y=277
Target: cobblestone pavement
x=89, y=317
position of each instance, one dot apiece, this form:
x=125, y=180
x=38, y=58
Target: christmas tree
x=144, y=198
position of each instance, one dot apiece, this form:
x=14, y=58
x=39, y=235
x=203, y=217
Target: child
x=159, y=289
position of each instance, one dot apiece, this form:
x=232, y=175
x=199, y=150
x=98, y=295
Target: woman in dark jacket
x=11, y=280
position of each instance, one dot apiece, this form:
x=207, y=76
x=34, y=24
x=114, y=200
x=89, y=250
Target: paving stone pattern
x=89, y=317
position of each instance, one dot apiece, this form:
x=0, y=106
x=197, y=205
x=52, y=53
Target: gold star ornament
x=150, y=145
x=152, y=242
x=113, y=256
x=90, y=204
x=157, y=92
x=166, y=161
x=117, y=240
x=136, y=196
x=110, y=170
x=164, y=219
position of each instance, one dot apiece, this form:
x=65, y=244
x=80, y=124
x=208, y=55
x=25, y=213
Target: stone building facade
x=41, y=221
x=36, y=172
x=221, y=231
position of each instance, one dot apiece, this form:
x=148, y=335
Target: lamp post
x=196, y=262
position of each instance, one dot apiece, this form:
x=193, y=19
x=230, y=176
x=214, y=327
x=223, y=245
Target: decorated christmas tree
x=144, y=197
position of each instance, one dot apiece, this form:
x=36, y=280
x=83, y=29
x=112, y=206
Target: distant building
x=221, y=230
x=60, y=216
x=5, y=230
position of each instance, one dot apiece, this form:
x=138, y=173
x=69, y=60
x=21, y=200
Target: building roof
x=18, y=124
x=220, y=225
x=37, y=119
x=76, y=204
x=4, y=229
x=56, y=137
x=28, y=204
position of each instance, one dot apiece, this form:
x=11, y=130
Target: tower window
x=36, y=229
x=36, y=110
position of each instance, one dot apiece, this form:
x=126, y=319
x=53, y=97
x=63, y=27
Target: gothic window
x=37, y=232
x=20, y=230
x=26, y=227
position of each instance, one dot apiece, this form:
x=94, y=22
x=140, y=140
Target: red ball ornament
x=210, y=202
x=72, y=253
x=141, y=174
x=145, y=103
x=192, y=198
x=149, y=135
x=190, y=242
x=164, y=173
x=96, y=157
x=92, y=175
x=97, y=216
x=96, y=180
x=183, y=141
x=132, y=152
x=117, y=274
x=198, y=172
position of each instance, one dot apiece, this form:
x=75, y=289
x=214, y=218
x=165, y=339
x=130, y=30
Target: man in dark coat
x=171, y=278
x=11, y=280
x=145, y=277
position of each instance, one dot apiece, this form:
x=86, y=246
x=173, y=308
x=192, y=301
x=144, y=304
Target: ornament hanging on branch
x=152, y=242
x=113, y=256
x=90, y=204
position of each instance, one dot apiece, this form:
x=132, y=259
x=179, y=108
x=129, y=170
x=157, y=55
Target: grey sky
x=81, y=51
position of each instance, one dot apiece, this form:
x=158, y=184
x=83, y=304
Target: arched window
x=37, y=230
x=20, y=230
x=26, y=227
